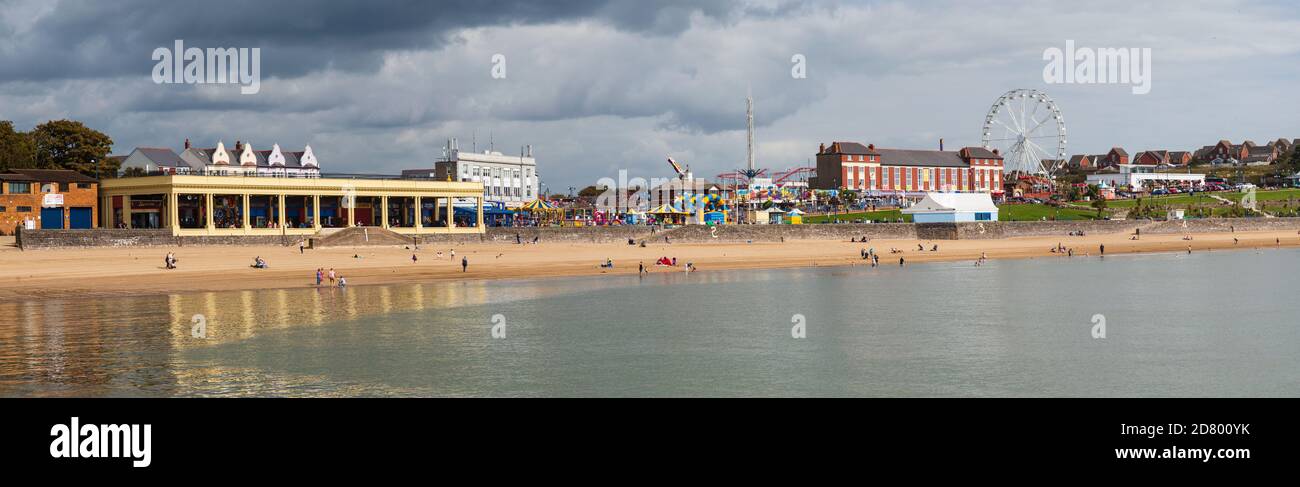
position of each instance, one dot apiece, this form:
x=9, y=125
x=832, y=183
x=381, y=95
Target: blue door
x=52, y=218
x=80, y=217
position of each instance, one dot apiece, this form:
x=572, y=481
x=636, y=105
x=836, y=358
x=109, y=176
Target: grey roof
x=162, y=157
x=49, y=176
x=290, y=158
x=196, y=158
x=849, y=148
x=980, y=153
x=927, y=158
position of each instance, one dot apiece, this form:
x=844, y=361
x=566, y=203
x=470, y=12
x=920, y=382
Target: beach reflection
x=139, y=344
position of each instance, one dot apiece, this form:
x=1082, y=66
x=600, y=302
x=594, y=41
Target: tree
x=1100, y=205
x=592, y=191
x=69, y=144
x=16, y=149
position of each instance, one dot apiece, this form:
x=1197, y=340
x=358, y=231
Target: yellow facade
x=354, y=196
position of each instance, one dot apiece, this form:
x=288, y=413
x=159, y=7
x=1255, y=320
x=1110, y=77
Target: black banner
x=1165, y=436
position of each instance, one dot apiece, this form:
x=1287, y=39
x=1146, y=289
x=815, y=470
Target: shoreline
x=100, y=272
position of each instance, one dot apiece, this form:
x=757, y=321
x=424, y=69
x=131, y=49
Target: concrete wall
x=778, y=233
x=105, y=237
x=987, y=230
x=30, y=239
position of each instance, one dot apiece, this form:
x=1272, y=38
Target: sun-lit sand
x=140, y=270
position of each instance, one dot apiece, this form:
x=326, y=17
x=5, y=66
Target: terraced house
x=240, y=160
x=1248, y=152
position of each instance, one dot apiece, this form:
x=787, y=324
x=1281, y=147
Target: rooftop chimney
x=996, y=152
x=941, y=144
x=821, y=149
x=187, y=142
x=871, y=147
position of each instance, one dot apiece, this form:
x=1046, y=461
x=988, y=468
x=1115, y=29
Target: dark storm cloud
x=97, y=39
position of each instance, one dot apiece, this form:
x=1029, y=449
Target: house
x=1260, y=155
x=1116, y=156
x=1247, y=152
x=154, y=160
x=240, y=160
x=953, y=207
x=876, y=172
x=1180, y=158
x=47, y=199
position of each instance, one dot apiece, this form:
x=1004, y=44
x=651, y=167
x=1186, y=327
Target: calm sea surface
x=1207, y=324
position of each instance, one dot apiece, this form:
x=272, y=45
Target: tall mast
x=749, y=123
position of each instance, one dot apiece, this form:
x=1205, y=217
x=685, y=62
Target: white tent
x=953, y=207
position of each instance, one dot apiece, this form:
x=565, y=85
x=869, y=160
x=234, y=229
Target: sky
x=602, y=86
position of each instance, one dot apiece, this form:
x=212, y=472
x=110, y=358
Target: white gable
x=247, y=157
x=220, y=156
x=276, y=158
x=308, y=159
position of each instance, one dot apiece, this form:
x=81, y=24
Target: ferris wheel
x=1028, y=130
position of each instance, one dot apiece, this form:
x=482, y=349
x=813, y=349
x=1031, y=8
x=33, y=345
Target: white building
x=222, y=161
x=953, y=207
x=1139, y=176
x=508, y=180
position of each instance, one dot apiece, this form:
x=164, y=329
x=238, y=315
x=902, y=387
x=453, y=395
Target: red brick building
x=853, y=166
x=47, y=198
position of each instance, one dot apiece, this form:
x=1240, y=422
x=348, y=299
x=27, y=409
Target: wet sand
x=140, y=270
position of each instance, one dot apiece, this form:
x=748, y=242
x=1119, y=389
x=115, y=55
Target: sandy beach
x=140, y=270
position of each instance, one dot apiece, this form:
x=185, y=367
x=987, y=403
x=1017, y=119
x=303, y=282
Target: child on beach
x=332, y=275
x=319, y=275
x=343, y=281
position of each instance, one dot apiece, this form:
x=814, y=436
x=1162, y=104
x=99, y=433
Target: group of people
x=335, y=278
x=870, y=255
x=1061, y=249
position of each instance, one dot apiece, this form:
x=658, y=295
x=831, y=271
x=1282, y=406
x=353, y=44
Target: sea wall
x=781, y=233
x=36, y=239
x=115, y=237
x=987, y=230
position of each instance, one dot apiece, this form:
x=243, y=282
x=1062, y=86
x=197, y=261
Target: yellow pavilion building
x=195, y=205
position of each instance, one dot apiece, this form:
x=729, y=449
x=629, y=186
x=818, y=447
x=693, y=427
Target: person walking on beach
x=640, y=268
x=301, y=246
x=320, y=275
x=414, y=259
x=1103, y=249
x=453, y=254
x=900, y=262
x=464, y=264
x=332, y=276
